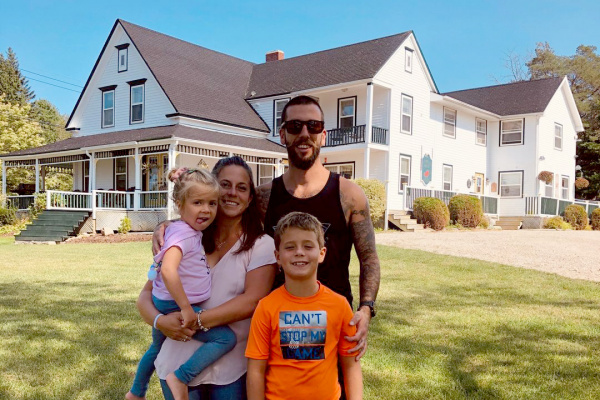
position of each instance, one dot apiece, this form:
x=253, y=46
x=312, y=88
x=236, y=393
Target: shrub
x=375, y=191
x=581, y=183
x=8, y=216
x=576, y=216
x=557, y=223
x=485, y=222
x=125, y=225
x=38, y=205
x=431, y=212
x=465, y=210
x=596, y=219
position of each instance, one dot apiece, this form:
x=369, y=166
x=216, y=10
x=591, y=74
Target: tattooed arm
x=263, y=193
x=356, y=209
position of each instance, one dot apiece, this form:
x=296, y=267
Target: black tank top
x=326, y=206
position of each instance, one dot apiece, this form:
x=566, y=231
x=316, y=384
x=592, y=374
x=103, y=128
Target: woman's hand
x=158, y=237
x=171, y=326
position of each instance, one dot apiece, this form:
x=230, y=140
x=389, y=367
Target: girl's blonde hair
x=183, y=178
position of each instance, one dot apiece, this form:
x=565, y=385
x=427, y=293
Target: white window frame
x=266, y=172
x=449, y=122
x=132, y=104
x=340, y=116
x=408, y=59
x=406, y=98
x=277, y=114
x=549, y=189
x=85, y=166
x=336, y=167
x=481, y=132
x=504, y=132
x=117, y=174
x=122, y=53
x=104, y=108
x=404, y=175
x=500, y=186
x=446, y=167
x=558, y=136
x=564, y=187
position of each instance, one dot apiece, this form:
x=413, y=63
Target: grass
x=447, y=327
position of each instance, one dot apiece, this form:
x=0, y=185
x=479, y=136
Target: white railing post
x=93, y=204
x=48, y=195
x=138, y=180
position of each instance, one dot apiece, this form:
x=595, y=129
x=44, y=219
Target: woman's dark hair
x=252, y=228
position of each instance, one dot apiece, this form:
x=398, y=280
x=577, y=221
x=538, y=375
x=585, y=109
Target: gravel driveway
x=574, y=254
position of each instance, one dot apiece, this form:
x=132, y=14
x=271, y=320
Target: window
x=564, y=183
x=122, y=57
x=265, y=173
x=137, y=104
x=511, y=184
x=511, y=132
x=86, y=176
x=408, y=59
x=108, y=108
x=558, y=135
x=346, y=112
x=404, y=179
x=549, y=189
x=277, y=111
x=447, y=177
x=481, y=131
x=407, y=110
x=449, y=122
x=346, y=170
x=121, y=173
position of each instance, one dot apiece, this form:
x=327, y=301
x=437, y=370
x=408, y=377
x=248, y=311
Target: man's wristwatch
x=371, y=305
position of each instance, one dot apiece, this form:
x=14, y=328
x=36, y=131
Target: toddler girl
x=182, y=280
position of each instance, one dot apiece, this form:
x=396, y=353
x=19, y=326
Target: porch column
x=92, y=172
x=4, y=183
x=368, y=128
x=170, y=185
x=37, y=175
x=138, y=180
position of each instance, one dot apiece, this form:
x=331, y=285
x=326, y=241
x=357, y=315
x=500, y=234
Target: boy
x=299, y=329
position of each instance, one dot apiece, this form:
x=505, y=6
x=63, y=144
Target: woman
x=242, y=268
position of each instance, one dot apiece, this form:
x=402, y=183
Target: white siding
x=78, y=176
x=104, y=174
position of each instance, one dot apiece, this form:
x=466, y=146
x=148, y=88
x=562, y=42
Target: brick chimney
x=274, y=55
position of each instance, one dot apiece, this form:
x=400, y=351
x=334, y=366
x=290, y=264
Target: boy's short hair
x=299, y=220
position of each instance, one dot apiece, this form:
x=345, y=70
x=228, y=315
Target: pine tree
x=13, y=85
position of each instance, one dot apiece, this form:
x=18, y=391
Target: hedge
x=557, y=223
x=576, y=216
x=596, y=219
x=465, y=210
x=375, y=191
x=431, y=212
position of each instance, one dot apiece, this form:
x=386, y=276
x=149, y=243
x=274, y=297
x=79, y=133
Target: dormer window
x=108, y=106
x=122, y=59
x=137, y=96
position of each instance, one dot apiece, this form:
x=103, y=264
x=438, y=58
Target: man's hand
x=361, y=319
x=158, y=237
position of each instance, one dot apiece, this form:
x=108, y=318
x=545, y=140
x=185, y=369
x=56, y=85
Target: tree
x=51, y=122
x=13, y=85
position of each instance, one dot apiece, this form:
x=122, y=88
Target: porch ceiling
x=148, y=134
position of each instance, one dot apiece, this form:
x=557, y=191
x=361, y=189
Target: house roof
x=524, y=97
x=329, y=67
x=146, y=134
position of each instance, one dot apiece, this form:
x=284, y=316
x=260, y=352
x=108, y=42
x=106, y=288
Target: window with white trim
x=558, y=136
x=447, y=177
x=265, y=173
x=121, y=173
x=549, y=189
x=346, y=112
x=137, y=104
x=108, y=108
x=277, y=112
x=511, y=184
x=407, y=111
x=408, y=59
x=122, y=60
x=564, y=183
x=511, y=132
x=481, y=131
x=449, y=122
x=346, y=169
x=404, y=172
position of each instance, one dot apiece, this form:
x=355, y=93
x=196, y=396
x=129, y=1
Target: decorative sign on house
x=426, y=164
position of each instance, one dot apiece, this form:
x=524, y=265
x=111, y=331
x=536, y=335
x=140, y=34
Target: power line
x=54, y=79
x=51, y=84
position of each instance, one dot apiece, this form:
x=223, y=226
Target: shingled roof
x=329, y=67
x=524, y=97
x=146, y=134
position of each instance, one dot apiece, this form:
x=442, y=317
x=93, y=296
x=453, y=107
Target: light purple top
x=193, y=269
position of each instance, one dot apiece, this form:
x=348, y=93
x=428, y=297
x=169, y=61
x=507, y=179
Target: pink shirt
x=193, y=269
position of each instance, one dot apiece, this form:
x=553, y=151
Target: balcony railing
x=354, y=134
x=488, y=203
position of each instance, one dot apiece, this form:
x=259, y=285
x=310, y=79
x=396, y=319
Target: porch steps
x=53, y=226
x=509, y=223
x=404, y=221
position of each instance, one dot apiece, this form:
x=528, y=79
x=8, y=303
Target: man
x=339, y=204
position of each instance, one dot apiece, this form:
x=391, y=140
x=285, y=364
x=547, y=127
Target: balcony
x=354, y=134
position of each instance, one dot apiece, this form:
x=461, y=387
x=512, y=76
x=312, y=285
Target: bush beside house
x=465, y=210
x=557, y=223
x=576, y=216
x=431, y=212
x=375, y=192
x=596, y=219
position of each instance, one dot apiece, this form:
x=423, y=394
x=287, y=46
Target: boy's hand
x=361, y=319
x=158, y=237
x=189, y=317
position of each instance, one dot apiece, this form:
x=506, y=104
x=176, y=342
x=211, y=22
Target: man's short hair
x=299, y=220
x=300, y=100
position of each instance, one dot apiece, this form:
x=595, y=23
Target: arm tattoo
x=363, y=236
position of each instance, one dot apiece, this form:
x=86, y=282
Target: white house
x=153, y=102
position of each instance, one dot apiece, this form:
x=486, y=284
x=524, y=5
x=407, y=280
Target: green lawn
x=447, y=328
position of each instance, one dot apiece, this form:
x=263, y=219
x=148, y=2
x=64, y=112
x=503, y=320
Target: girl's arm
x=353, y=381
x=170, y=275
x=255, y=379
x=257, y=285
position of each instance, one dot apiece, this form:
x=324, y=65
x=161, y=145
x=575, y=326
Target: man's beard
x=299, y=162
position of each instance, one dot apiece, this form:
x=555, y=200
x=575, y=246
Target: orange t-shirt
x=301, y=337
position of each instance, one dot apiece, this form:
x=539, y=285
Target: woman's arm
x=257, y=285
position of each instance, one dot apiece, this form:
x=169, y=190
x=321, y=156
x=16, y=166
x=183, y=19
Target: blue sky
x=464, y=42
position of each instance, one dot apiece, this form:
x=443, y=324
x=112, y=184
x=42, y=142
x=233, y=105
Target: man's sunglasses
x=294, y=126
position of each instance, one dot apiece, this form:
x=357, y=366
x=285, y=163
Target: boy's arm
x=353, y=381
x=255, y=379
x=168, y=270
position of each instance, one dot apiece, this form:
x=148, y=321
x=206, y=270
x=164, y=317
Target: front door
x=479, y=183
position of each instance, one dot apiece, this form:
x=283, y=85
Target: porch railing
x=488, y=203
x=157, y=199
x=540, y=205
x=379, y=135
x=113, y=199
x=59, y=200
x=354, y=134
x=105, y=199
x=20, y=202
